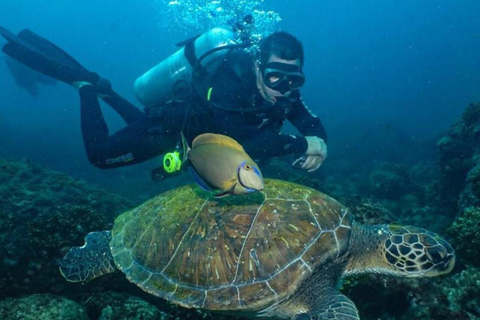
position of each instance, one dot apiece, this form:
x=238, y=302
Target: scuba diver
x=212, y=84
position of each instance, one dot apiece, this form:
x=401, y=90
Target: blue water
x=392, y=70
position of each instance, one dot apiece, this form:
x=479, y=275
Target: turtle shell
x=240, y=253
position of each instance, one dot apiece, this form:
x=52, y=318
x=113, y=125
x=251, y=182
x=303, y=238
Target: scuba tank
x=171, y=79
x=166, y=89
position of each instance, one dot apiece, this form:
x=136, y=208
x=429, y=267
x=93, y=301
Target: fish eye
x=248, y=167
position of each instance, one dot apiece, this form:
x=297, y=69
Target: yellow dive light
x=172, y=162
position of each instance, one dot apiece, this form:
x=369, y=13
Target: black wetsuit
x=231, y=105
x=131, y=145
x=239, y=111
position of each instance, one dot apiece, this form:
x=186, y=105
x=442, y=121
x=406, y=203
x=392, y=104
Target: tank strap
x=189, y=53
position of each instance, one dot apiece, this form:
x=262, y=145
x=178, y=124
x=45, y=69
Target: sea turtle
x=277, y=254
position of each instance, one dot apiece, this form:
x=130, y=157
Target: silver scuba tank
x=169, y=79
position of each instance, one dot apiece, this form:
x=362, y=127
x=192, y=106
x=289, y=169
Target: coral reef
x=389, y=181
x=455, y=297
x=459, y=154
x=113, y=305
x=41, y=307
x=42, y=213
x=470, y=195
x=370, y=211
x=465, y=232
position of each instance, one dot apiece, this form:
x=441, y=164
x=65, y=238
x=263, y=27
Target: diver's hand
x=316, y=153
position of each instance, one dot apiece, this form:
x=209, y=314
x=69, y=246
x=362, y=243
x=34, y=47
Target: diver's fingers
x=309, y=162
x=318, y=163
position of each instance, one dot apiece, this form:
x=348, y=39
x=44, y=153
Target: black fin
x=45, y=57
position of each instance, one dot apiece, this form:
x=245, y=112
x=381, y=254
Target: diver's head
x=281, y=44
x=279, y=66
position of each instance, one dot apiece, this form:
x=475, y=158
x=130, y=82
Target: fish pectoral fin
x=222, y=194
x=229, y=185
x=225, y=193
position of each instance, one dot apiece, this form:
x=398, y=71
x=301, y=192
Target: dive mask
x=283, y=77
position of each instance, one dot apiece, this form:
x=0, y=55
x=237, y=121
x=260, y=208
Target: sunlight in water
x=199, y=15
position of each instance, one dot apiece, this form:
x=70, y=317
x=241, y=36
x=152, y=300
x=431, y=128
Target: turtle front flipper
x=330, y=305
x=89, y=261
x=335, y=307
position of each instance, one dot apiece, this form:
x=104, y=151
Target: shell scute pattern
x=275, y=240
x=238, y=253
x=284, y=281
x=222, y=298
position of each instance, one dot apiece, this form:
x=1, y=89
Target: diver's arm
x=267, y=144
x=258, y=142
x=314, y=133
x=307, y=123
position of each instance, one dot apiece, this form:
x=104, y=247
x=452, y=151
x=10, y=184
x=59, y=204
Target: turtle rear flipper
x=89, y=261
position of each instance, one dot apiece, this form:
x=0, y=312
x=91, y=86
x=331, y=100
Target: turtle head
x=416, y=252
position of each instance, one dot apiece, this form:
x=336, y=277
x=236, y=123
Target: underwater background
x=396, y=84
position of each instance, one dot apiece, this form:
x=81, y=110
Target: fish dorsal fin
x=216, y=139
x=185, y=147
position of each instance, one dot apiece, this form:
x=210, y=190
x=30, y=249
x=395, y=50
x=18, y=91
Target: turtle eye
x=436, y=254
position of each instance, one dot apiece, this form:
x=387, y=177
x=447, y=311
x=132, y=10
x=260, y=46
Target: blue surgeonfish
x=220, y=163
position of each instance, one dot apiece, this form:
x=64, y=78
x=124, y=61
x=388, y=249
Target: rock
x=118, y=306
x=459, y=159
x=43, y=213
x=465, y=232
x=41, y=307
